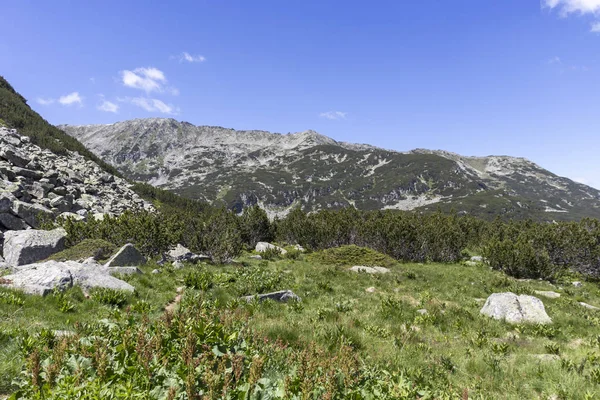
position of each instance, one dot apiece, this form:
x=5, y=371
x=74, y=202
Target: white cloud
x=44, y=101
x=555, y=60
x=595, y=27
x=153, y=105
x=70, y=99
x=333, y=115
x=187, y=57
x=147, y=79
x=108, y=107
x=566, y=7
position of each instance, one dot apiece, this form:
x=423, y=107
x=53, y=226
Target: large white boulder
x=263, y=246
x=43, y=278
x=516, y=309
x=26, y=247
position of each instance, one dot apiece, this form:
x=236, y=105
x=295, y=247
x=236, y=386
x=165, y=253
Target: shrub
x=99, y=249
x=352, y=255
x=109, y=297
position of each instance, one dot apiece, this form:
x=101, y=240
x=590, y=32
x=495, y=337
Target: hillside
x=280, y=171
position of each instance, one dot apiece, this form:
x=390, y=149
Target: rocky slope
x=37, y=184
x=280, y=172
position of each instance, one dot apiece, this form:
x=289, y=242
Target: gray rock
x=369, y=270
x=177, y=264
x=31, y=213
x=6, y=202
x=282, y=296
x=14, y=156
x=370, y=289
x=50, y=275
x=515, y=309
x=156, y=271
x=300, y=248
x=577, y=284
x=477, y=258
x=548, y=294
x=589, y=306
x=26, y=247
x=263, y=246
x=124, y=270
x=422, y=311
x=127, y=256
x=13, y=223
x=179, y=252
x=256, y=257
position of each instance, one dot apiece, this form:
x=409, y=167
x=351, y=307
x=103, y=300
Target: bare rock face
x=264, y=246
x=127, y=256
x=29, y=246
x=515, y=309
x=282, y=296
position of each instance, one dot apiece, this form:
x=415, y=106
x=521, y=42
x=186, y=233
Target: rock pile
x=36, y=183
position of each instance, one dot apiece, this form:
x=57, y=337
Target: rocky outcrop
x=29, y=246
x=38, y=185
x=282, y=296
x=43, y=278
x=515, y=309
x=261, y=247
x=127, y=255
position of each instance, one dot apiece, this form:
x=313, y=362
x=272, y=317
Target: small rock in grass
x=370, y=290
x=156, y=271
x=369, y=270
x=515, y=309
x=589, y=306
x=256, y=257
x=577, y=284
x=177, y=264
x=422, y=311
x=548, y=294
x=282, y=296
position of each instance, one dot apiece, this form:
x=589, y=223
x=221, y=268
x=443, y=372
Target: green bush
x=109, y=297
x=99, y=249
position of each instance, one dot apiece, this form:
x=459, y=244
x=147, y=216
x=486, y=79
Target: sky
x=509, y=77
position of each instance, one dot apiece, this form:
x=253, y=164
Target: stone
x=6, y=202
x=124, y=270
x=263, y=246
x=14, y=156
x=472, y=263
x=177, y=264
x=281, y=296
x=370, y=290
x=156, y=271
x=589, y=306
x=31, y=213
x=515, y=309
x=127, y=256
x=369, y=270
x=422, y=311
x=548, y=294
x=75, y=217
x=50, y=275
x=300, y=248
x=577, y=284
x=26, y=247
x=180, y=252
x=255, y=257
x=477, y=259
x=12, y=223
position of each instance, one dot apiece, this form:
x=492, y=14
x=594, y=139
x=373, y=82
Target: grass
x=450, y=349
x=99, y=249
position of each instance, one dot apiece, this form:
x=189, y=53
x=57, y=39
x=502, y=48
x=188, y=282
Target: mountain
x=282, y=171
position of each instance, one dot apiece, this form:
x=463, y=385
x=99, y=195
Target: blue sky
x=512, y=77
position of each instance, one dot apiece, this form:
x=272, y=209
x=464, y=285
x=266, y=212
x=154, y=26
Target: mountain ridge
x=308, y=169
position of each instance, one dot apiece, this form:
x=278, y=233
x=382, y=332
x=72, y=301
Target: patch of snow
x=412, y=202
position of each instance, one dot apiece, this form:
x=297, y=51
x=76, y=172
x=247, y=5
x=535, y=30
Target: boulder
x=369, y=270
x=31, y=213
x=515, y=309
x=179, y=253
x=282, y=296
x=548, y=294
x=263, y=246
x=26, y=247
x=127, y=256
x=33, y=278
x=177, y=264
x=12, y=223
x=14, y=156
x=589, y=306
